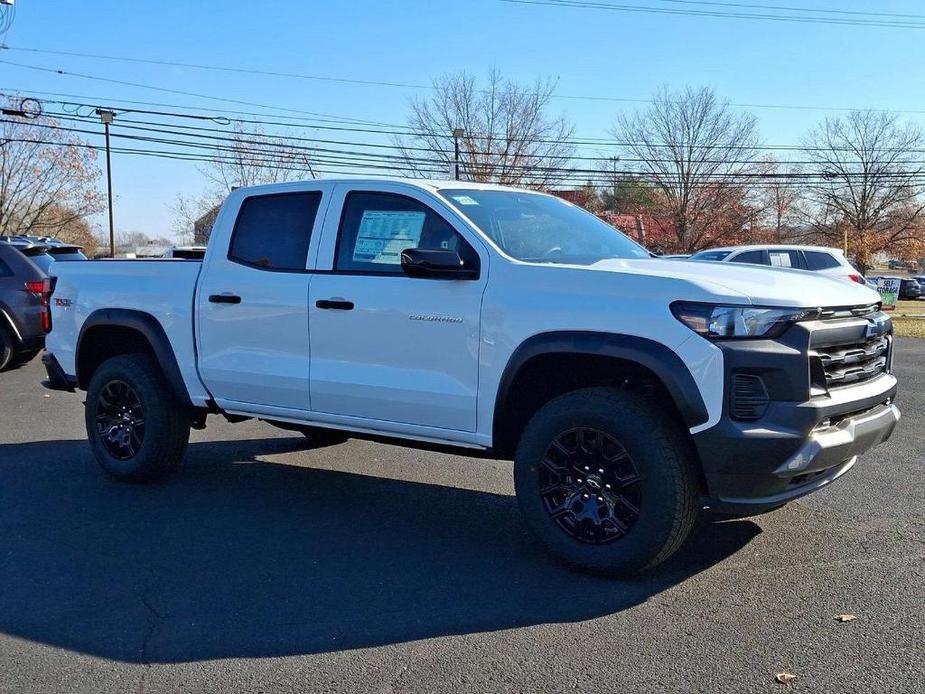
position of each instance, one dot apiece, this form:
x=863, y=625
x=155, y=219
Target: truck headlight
x=719, y=322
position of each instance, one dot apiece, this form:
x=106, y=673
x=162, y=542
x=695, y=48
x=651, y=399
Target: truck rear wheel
x=606, y=481
x=137, y=428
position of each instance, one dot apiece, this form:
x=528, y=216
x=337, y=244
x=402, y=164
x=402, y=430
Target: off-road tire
x=665, y=467
x=166, y=421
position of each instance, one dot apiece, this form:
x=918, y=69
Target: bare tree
x=509, y=137
x=783, y=198
x=48, y=178
x=697, y=153
x=252, y=157
x=869, y=192
x=248, y=157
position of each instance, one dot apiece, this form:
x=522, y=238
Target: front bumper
x=803, y=440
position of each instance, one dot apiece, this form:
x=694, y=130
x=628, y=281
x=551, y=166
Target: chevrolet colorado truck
x=631, y=392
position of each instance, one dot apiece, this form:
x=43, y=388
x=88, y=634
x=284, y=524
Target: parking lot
x=266, y=565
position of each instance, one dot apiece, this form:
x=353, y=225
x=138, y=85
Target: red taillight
x=43, y=289
x=857, y=278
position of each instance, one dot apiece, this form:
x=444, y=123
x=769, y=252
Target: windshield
x=710, y=255
x=542, y=228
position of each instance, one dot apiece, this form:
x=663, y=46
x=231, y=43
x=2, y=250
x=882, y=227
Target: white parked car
x=630, y=392
x=822, y=259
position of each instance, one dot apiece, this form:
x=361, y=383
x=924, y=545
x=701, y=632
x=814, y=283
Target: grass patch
x=903, y=324
x=908, y=327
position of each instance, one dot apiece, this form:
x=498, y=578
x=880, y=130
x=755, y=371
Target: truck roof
x=428, y=184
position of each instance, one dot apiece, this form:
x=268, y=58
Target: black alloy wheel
x=120, y=421
x=590, y=486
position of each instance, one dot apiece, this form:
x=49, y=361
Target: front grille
x=855, y=362
x=848, y=312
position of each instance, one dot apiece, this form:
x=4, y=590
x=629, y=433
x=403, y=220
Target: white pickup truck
x=631, y=392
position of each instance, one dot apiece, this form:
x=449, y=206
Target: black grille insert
x=749, y=397
x=855, y=362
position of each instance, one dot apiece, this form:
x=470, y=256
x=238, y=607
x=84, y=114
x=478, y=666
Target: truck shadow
x=235, y=558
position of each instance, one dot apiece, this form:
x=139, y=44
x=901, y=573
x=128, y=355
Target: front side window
x=376, y=227
x=541, y=228
x=272, y=232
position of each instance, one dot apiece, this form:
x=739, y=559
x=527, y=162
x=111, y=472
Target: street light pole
x=106, y=117
x=457, y=133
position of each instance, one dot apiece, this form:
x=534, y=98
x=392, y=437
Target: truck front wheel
x=606, y=481
x=137, y=428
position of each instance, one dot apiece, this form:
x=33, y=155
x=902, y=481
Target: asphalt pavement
x=267, y=565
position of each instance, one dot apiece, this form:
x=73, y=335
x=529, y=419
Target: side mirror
x=436, y=264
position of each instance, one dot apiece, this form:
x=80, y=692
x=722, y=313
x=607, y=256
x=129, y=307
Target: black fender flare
x=152, y=331
x=654, y=356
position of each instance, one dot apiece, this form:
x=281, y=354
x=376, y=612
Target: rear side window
x=272, y=232
x=5, y=270
x=43, y=260
x=751, y=258
x=817, y=260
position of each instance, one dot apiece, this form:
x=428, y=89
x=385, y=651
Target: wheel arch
x=8, y=323
x=546, y=365
x=110, y=332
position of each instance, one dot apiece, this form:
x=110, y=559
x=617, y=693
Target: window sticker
x=383, y=235
x=465, y=200
x=780, y=259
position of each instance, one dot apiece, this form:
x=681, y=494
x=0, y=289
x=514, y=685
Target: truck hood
x=755, y=284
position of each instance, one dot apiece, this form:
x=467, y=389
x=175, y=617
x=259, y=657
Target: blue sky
x=589, y=52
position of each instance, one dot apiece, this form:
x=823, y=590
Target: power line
x=589, y=142
x=648, y=9
x=262, y=157
x=407, y=85
x=288, y=140
x=222, y=68
x=301, y=122
x=782, y=8
x=167, y=90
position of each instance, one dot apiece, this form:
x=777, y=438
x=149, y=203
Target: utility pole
x=457, y=133
x=106, y=117
x=614, y=161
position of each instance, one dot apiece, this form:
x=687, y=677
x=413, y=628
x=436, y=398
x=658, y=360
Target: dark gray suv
x=21, y=286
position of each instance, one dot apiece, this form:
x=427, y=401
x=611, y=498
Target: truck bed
x=165, y=288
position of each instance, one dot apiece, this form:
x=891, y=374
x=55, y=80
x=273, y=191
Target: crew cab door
x=385, y=346
x=252, y=301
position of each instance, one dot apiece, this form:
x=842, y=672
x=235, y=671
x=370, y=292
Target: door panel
x=407, y=351
x=253, y=304
x=255, y=351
